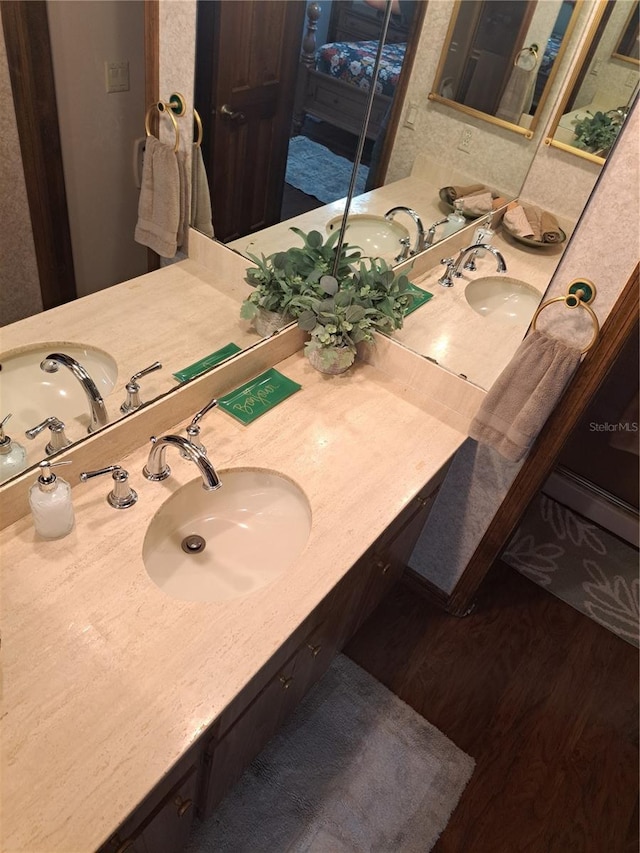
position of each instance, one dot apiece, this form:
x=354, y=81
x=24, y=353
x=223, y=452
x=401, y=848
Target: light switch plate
x=116, y=76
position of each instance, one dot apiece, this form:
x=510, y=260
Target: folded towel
x=200, y=198
x=533, y=214
x=517, y=222
x=549, y=228
x=185, y=208
x=159, y=203
x=477, y=204
x=450, y=194
x=523, y=396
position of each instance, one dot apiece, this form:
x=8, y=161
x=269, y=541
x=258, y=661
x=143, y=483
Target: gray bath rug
x=354, y=770
x=319, y=172
x=581, y=563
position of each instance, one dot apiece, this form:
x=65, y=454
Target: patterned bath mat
x=354, y=770
x=581, y=563
x=319, y=172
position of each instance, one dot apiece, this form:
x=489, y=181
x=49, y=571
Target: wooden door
x=247, y=61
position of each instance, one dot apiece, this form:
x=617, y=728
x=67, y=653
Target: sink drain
x=193, y=544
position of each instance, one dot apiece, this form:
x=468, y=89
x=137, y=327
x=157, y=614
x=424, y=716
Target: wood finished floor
x=543, y=698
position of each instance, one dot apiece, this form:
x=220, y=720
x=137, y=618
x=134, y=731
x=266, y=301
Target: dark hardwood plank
x=543, y=698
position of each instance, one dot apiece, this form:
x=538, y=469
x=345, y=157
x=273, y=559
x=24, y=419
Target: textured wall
x=500, y=157
x=19, y=281
x=479, y=478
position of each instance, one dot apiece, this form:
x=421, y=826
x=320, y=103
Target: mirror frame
x=527, y=132
x=594, y=31
x=624, y=57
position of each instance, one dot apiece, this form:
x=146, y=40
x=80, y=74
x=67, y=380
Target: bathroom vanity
x=127, y=710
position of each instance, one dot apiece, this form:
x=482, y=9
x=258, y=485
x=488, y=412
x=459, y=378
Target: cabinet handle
x=183, y=805
x=384, y=567
x=315, y=650
x=422, y=501
x=285, y=681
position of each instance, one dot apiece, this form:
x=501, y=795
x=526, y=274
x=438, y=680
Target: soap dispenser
x=455, y=220
x=13, y=456
x=50, y=502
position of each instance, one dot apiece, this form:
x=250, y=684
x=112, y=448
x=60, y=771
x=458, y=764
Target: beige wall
x=98, y=130
x=19, y=281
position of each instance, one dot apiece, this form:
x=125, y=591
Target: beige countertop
x=107, y=680
x=138, y=322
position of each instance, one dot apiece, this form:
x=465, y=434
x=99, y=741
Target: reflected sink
x=377, y=236
x=502, y=297
x=254, y=528
x=33, y=395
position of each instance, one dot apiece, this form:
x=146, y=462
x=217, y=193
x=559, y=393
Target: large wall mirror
x=603, y=86
x=409, y=118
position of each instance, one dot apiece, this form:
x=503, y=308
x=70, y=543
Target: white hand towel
x=524, y=395
x=185, y=209
x=201, y=218
x=159, y=204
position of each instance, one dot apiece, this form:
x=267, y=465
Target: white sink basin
x=503, y=298
x=377, y=236
x=32, y=395
x=255, y=526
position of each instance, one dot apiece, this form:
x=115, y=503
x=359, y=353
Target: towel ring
x=579, y=294
x=167, y=110
x=532, y=51
x=198, y=122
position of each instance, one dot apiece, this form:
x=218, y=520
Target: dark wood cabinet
x=201, y=779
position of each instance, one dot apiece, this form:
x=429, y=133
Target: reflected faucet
x=453, y=266
x=98, y=409
x=431, y=233
x=420, y=233
x=157, y=469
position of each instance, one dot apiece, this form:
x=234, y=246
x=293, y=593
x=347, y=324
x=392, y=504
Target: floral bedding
x=353, y=62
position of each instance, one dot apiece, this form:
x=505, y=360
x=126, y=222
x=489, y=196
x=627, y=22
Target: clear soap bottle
x=455, y=220
x=50, y=502
x=13, y=456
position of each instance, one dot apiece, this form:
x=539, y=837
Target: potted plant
x=371, y=298
x=282, y=277
x=597, y=132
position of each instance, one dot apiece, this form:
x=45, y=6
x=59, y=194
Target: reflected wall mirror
x=500, y=58
x=188, y=43
x=603, y=86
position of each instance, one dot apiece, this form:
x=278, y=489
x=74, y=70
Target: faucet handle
x=193, y=430
x=132, y=388
x=122, y=495
x=58, y=440
x=446, y=279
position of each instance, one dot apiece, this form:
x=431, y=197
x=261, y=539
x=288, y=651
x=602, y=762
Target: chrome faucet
x=431, y=233
x=157, y=469
x=453, y=266
x=420, y=233
x=98, y=409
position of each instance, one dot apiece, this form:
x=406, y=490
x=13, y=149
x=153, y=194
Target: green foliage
x=282, y=277
x=597, y=132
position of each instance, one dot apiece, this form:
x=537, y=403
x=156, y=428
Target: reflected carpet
x=579, y=562
x=316, y=171
x=354, y=770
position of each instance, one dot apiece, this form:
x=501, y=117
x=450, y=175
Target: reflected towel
x=549, y=228
x=201, y=218
x=518, y=95
x=477, y=204
x=159, y=203
x=516, y=221
x=524, y=395
x=185, y=209
x=450, y=194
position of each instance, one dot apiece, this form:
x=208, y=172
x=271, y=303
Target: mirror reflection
x=500, y=56
x=605, y=84
x=206, y=318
